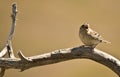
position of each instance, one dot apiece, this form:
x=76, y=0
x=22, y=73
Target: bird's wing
x=94, y=34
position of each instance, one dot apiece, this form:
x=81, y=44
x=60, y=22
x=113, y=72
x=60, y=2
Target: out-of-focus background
x=47, y=25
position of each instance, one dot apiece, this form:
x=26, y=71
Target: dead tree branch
x=8, y=47
x=56, y=56
x=24, y=63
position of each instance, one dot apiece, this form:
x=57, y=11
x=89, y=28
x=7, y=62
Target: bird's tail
x=105, y=41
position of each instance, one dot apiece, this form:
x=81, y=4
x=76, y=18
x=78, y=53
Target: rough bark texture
x=56, y=56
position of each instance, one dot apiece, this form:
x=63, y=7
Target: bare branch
x=8, y=46
x=63, y=55
x=13, y=16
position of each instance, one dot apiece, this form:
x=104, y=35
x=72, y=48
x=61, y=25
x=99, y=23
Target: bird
x=90, y=37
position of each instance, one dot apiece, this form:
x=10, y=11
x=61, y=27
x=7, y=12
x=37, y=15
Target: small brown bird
x=90, y=37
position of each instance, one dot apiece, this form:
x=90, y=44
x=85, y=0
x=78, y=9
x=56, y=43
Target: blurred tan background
x=47, y=25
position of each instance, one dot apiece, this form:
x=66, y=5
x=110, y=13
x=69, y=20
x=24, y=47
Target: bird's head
x=85, y=26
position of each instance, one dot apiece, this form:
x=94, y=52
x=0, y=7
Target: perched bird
x=90, y=37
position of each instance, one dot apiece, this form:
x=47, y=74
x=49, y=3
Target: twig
x=23, y=58
x=8, y=47
x=13, y=16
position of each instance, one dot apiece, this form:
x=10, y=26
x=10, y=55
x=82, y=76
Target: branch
x=62, y=55
x=8, y=47
x=13, y=16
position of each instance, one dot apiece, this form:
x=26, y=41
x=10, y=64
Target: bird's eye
x=85, y=26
